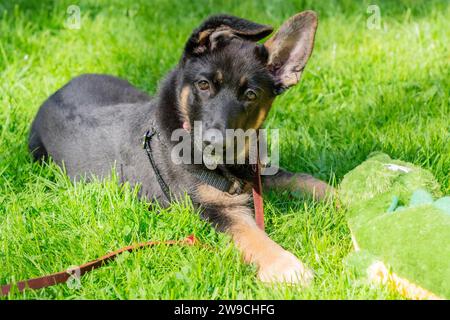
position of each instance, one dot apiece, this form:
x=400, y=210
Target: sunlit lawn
x=364, y=89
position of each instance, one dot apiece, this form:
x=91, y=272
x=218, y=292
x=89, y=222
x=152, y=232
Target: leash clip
x=147, y=136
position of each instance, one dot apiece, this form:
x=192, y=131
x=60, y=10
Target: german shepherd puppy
x=226, y=80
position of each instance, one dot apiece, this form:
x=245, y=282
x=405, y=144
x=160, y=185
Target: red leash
x=257, y=197
x=63, y=276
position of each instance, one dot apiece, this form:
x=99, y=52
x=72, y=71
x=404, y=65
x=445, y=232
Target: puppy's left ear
x=289, y=49
x=220, y=29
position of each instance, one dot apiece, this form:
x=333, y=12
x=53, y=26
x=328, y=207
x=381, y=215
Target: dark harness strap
x=206, y=176
x=213, y=179
x=148, y=148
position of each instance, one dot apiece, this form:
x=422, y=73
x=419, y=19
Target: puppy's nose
x=214, y=137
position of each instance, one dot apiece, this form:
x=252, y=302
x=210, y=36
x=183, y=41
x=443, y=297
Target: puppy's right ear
x=221, y=28
x=290, y=48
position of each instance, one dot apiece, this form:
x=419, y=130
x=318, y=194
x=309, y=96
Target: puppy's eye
x=203, y=85
x=250, y=95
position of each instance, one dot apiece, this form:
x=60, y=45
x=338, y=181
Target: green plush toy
x=400, y=234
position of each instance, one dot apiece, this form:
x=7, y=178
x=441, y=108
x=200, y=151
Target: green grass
x=363, y=90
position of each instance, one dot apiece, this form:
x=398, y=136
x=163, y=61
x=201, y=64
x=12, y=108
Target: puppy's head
x=227, y=80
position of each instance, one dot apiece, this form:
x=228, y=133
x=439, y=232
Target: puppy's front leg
x=231, y=215
x=300, y=182
x=275, y=264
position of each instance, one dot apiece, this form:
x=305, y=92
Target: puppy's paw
x=286, y=268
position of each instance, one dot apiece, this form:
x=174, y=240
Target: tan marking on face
x=243, y=81
x=262, y=114
x=260, y=119
x=219, y=76
x=183, y=105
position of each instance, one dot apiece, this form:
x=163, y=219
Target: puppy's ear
x=220, y=28
x=290, y=48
